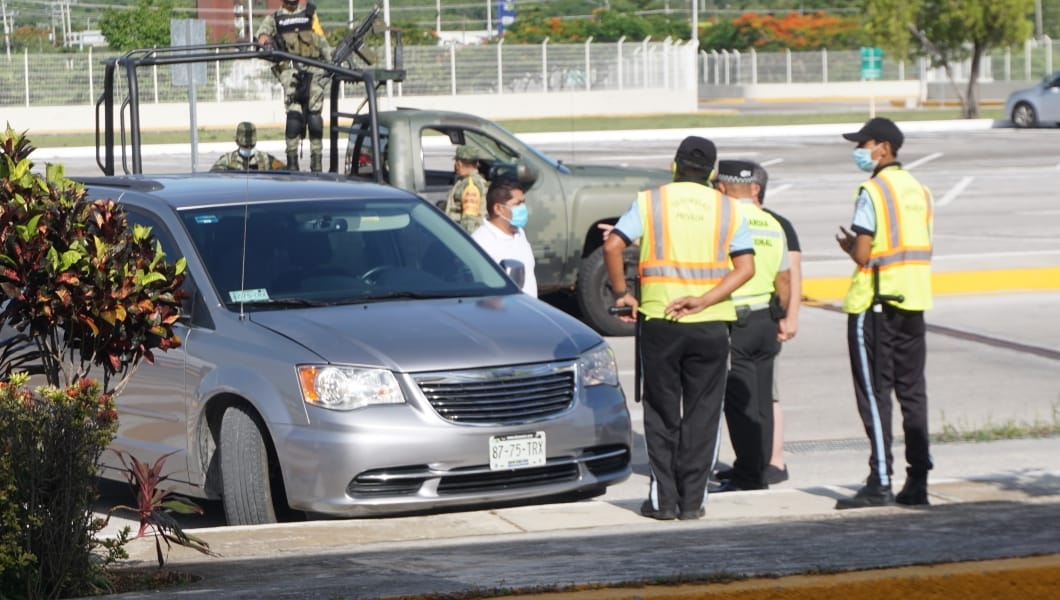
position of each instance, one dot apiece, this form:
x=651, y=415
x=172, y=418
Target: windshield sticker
x=205, y=219
x=257, y=295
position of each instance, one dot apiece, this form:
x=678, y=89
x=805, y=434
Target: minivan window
x=298, y=253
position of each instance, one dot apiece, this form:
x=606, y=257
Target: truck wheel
x=594, y=296
x=245, y=482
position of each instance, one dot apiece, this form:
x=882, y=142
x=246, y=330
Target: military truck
x=566, y=202
x=413, y=150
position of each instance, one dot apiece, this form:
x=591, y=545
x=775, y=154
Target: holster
x=301, y=89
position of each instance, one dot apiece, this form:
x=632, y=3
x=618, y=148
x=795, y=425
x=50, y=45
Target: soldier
x=246, y=158
x=298, y=31
x=466, y=200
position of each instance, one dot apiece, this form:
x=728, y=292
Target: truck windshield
x=299, y=253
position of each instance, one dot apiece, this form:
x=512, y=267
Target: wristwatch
x=616, y=294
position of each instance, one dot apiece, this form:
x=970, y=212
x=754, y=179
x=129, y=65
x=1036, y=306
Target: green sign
x=871, y=63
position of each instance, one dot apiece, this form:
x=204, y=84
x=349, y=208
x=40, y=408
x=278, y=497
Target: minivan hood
x=432, y=335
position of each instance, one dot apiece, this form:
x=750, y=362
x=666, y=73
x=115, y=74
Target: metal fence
x=76, y=79
x=1035, y=60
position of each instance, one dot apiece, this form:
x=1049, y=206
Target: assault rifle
x=353, y=42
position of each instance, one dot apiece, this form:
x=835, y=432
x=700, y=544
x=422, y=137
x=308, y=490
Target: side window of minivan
x=165, y=239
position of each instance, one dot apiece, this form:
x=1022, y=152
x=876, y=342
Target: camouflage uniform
x=299, y=32
x=466, y=203
x=233, y=161
x=246, y=139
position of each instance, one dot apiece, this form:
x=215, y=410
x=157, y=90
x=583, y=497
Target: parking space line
x=954, y=191
x=772, y=161
x=920, y=161
x=778, y=189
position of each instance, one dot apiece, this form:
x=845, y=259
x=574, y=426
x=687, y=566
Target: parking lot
x=993, y=354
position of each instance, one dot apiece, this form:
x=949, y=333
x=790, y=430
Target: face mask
x=246, y=152
x=863, y=159
x=520, y=214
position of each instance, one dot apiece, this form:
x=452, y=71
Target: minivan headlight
x=598, y=367
x=348, y=388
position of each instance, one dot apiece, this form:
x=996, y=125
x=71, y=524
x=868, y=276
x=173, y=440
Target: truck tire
x=594, y=295
x=245, y=482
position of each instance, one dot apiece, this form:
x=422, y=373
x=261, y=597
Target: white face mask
x=246, y=152
x=863, y=159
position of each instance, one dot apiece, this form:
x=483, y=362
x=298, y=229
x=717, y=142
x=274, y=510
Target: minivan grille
x=500, y=396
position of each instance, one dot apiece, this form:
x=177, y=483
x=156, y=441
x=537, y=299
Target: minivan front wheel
x=245, y=482
x=1024, y=115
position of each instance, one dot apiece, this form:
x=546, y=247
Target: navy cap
x=880, y=129
x=696, y=153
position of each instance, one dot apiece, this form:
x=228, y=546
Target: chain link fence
x=76, y=79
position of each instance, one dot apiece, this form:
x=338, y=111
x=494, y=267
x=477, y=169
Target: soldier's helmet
x=466, y=154
x=246, y=135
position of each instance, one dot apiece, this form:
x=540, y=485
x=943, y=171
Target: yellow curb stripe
x=965, y=282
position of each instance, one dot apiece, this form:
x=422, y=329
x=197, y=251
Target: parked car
x=1036, y=106
x=349, y=350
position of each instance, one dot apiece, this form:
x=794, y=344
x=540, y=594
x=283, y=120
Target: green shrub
x=51, y=441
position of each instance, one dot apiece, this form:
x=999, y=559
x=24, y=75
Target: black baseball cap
x=880, y=129
x=696, y=153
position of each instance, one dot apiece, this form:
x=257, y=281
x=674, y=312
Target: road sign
x=871, y=63
x=188, y=32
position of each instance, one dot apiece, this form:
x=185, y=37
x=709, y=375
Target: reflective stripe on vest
x=688, y=229
x=901, y=248
x=768, y=237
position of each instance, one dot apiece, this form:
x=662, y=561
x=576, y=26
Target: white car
x=1036, y=106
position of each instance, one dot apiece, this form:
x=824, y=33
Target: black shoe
x=292, y=161
x=728, y=485
x=661, y=514
x=914, y=492
x=692, y=515
x=724, y=475
x=774, y=475
x=868, y=496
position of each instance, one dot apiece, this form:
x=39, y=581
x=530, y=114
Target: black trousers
x=899, y=368
x=684, y=368
x=749, y=397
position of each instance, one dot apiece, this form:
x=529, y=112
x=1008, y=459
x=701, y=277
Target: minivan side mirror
x=515, y=270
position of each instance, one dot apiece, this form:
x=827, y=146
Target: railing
x=729, y=67
x=75, y=79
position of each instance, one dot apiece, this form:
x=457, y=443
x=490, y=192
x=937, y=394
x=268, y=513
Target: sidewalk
x=990, y=511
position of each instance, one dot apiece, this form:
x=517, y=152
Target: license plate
x=517, y=451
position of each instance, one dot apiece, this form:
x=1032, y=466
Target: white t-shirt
x=501, y=245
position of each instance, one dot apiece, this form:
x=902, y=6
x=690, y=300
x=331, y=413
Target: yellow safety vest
x=901, y=247
x=684, y=250
x=768, y=237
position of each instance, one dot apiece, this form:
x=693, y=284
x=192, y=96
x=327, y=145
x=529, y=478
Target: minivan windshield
x=342, y=251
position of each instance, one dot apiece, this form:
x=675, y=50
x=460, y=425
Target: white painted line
x=772, y=162
x=780, y=188
x=955, y=191
x=920, y=161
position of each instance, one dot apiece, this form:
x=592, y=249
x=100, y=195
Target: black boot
x=914, y=492
x=292, y=161
x=315, y=163
x=871, y=494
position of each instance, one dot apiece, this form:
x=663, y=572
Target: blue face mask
x=520, y=214
x=863, y=159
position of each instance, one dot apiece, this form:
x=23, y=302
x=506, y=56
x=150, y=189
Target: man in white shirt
x=501, y=235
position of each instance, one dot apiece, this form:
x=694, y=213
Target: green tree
x=948, y=31
x=145, y=25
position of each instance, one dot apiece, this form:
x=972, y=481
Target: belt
x=746, y=309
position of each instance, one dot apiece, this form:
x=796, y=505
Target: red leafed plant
x=156, y=506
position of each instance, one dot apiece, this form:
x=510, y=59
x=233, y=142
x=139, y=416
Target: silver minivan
x=349, y=351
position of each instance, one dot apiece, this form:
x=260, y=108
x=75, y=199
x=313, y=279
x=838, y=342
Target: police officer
x=688, y=233
x=246, y=158
x=297, y=31
x=890, y=242
x=466, y=200
x=760, y=305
